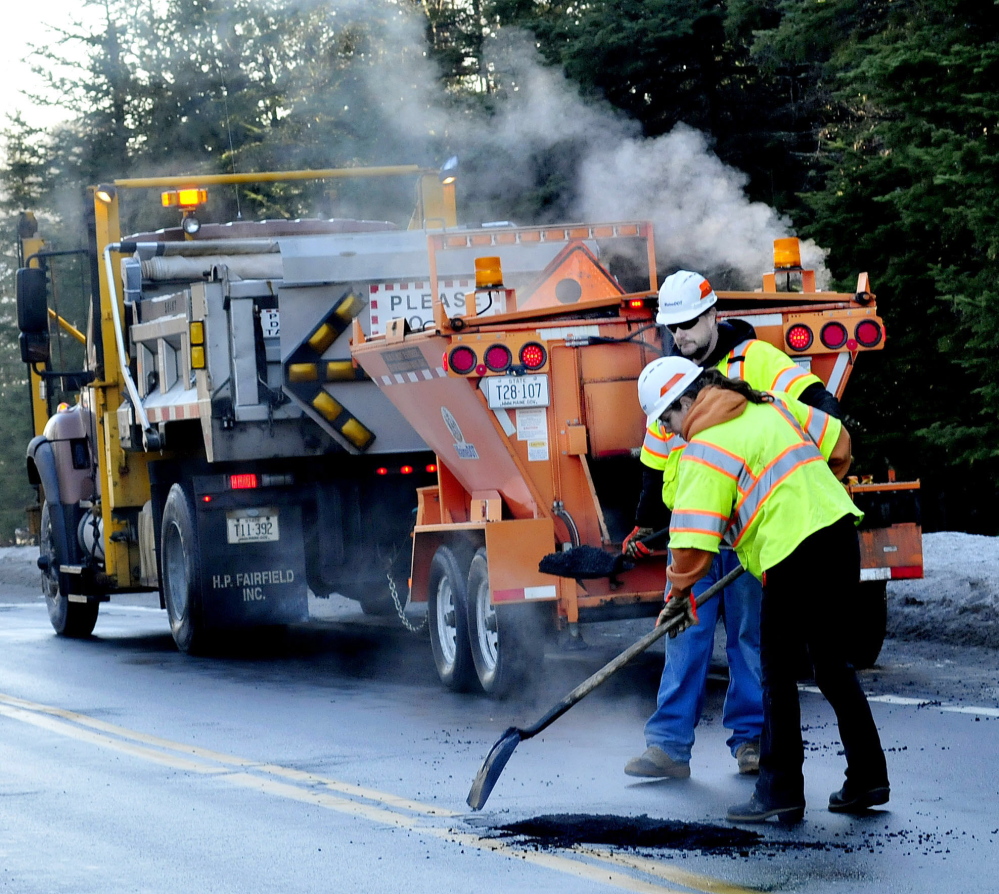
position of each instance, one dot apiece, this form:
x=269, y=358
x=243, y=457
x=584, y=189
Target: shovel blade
x=491, y=768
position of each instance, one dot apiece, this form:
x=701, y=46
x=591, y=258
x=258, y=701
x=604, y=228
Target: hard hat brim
x=683, y=314
x=674, y=393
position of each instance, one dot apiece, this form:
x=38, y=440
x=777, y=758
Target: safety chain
x=394, y=593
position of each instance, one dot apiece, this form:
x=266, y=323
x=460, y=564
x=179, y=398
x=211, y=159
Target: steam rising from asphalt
x=703, y=219
x=536, y=129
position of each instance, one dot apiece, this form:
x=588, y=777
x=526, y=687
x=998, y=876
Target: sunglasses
x=685, y=325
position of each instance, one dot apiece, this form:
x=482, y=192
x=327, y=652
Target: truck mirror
x=32, y=302
x=34, y=346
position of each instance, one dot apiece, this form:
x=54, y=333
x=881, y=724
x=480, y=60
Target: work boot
x=748, y=756
x=754, y=811
x=657, y=763
x=849, y=801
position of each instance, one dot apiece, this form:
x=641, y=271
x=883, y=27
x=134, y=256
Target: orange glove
x=633, y=545
x=679, y=604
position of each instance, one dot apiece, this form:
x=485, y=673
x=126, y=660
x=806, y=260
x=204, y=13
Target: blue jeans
x=684, y=680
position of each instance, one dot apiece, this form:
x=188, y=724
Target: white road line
x=905, y=701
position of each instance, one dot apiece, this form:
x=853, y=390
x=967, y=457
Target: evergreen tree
x=908, y=165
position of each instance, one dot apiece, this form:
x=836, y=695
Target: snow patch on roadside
x=956, y=602
x=958, y=599
x=19, y=568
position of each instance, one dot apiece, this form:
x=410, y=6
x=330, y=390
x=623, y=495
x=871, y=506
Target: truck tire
x=866, y=637
x=70, y=619
x=508, y=643
x=180, y=566
x=447, y=618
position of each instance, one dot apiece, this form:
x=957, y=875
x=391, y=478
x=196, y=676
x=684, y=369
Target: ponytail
x=713, y=378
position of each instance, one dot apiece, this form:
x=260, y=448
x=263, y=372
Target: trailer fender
x=515, y=548
x=426, y=543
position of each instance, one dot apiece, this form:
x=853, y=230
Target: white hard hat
x=663, y=381
x=683, y=296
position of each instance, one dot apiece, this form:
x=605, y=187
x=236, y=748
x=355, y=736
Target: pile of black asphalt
x=566, y=830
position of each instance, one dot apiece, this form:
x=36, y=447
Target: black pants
x=806, y=599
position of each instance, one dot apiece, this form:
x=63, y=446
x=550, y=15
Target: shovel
x=500, y=753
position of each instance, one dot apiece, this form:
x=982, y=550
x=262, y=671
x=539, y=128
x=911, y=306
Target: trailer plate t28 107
x=260, y=527
x=506, y=392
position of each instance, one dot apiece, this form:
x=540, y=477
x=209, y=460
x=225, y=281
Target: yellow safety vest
x=821, y=428
x=757, y=362
x=760, y=482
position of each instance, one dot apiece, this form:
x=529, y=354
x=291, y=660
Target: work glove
x=633, y=545
x=678, y=606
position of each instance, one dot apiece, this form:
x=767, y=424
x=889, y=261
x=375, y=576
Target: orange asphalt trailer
x=528, y=398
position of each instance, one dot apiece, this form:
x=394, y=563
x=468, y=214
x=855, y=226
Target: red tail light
x=462, y=360
x=243, y=481
x=381, y=470
x=799, y=337
x=498, y=358
x=406, y=470
x=431, y=467
x=533, y=355
x=833, y=336
x=868, y=333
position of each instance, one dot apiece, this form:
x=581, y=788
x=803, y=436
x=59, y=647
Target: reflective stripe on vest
x=766, y=476
x=693, y=522
x=787, y=378
x=720, y=460
x=816, y=422
x=657, y=447
x=770, y=477
x=660, y=446
x=733, y=364
x=754, y=361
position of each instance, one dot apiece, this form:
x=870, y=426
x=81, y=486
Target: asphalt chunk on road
x=565, y=830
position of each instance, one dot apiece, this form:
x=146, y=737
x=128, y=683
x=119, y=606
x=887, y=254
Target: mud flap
x=254, y=583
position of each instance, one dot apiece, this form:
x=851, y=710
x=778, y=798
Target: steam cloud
x=604, y=169
x=702, y=217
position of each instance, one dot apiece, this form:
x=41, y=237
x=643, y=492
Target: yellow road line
x=225, y=759
x=592, y=864
x=654, y=867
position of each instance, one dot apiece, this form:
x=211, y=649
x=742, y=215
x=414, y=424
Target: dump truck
x=218, y=444
x=531, y=410
x=270, y=408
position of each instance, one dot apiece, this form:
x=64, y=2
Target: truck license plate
x=505, y=392
x=242, y=527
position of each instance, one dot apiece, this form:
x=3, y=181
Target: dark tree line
x=870, y=123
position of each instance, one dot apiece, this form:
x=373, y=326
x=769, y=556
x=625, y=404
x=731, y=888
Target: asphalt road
x=333, y=761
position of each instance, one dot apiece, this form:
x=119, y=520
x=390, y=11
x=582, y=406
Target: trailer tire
x=75, y=620
x=865, y=639
x=508, y=642
x=180, y=560
x=447, y=618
